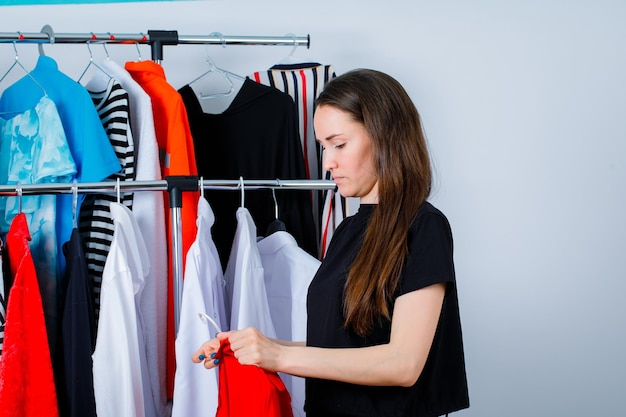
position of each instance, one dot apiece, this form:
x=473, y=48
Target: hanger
x=19, y=64
x=206, y=319
x=227, y=76
x=291, y=58
x=138, y=50
x=243, y=194
x=276, y=225
x=75, y=204
x=47, y=29
x=91, y=62
x=106, y=51
x=118, y=191
x=18, y=190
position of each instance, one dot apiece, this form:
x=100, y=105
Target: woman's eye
x=339, y=146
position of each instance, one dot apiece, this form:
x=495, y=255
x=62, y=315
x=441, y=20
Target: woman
x=383, y=331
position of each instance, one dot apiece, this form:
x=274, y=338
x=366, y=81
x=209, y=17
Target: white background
x=524, y=106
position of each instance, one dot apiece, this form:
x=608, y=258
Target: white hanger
x=206, y=320
x=291, y=58
x=226, y=76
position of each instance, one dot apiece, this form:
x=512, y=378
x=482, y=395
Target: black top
x=256, y=138
x=442, y=386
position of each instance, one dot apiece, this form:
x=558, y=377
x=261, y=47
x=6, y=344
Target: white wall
x=524, y=104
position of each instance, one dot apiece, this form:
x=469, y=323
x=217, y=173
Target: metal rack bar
x=145, y=38
x=160, y=185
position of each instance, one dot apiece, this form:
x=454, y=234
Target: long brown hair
x=402, y=162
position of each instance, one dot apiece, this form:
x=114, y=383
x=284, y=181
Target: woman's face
x=347, y=153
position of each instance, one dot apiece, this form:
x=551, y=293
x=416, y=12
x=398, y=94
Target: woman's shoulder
x=428, y=210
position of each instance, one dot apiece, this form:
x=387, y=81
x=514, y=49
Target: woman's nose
x=328, y=162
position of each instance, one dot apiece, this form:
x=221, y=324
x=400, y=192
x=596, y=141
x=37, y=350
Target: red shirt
x=26, y=378
x=247, y=390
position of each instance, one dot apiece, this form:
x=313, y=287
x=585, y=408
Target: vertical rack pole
x=175, y=186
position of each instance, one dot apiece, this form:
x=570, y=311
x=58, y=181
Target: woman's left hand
x=251, y=347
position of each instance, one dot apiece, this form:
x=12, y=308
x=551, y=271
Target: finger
x=206, y=350
x=211, y=361
x=224, y=335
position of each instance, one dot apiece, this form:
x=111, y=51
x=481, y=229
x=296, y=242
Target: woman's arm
x=399, y=362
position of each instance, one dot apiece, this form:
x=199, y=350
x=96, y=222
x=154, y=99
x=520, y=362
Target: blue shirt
x=89, y=145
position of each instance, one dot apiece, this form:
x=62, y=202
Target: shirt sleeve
x=430, y=257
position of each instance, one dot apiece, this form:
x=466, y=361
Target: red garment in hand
x=26, y=378
x=247, y=390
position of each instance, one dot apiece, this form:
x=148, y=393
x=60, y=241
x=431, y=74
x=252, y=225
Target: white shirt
x=149, y=212
x=118, y=359
x=289, y=270
x=195, y=388
x=245, y=285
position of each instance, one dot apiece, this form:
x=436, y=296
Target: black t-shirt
x=442, y=386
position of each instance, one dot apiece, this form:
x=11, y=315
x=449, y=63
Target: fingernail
x=201, y=356
x=216, y=361
x=212, y=355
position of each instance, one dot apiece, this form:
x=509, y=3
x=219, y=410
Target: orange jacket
x=177, y=157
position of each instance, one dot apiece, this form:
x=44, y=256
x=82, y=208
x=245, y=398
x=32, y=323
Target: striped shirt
x=96, y=224
x=304, y=82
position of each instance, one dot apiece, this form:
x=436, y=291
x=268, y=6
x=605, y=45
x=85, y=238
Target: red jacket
x=247, y=390
x=26, y=379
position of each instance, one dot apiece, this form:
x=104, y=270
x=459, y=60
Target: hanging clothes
x=96, y=224
x=176, y=152
x=304, y=82
x=75, y=375
x=27, y=387
x=90, y=148
x=35, y=150
x=119, y=365
x=195, y=388
x=256, y=137
x=288, y=271
x=149, y=212
x=246, y=297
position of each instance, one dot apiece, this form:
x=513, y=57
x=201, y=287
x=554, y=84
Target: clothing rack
x=155, y=38
x=174, y=185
